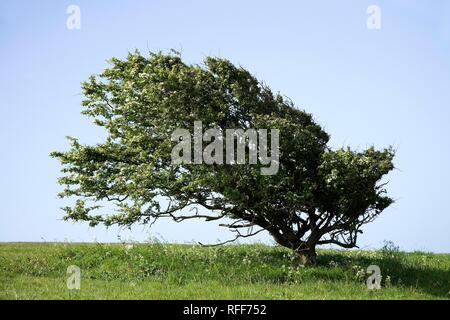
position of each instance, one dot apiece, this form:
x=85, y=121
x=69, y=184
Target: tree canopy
x=318, y=195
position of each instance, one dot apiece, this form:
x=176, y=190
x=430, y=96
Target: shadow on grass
x=403, y=272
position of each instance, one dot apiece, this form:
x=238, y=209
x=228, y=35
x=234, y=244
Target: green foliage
x=318, y=196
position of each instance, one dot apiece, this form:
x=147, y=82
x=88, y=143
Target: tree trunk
x=306, y=251
x=308, y=256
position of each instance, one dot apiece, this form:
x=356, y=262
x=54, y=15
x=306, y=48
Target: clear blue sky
x=381, y=87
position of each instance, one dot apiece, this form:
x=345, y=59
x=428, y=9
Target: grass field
x=169, y=271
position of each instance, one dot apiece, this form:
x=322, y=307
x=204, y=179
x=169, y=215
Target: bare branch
x=239, y=235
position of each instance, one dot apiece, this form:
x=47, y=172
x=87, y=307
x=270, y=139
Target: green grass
x=169, y=271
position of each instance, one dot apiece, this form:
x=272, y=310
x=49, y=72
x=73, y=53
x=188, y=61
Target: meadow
x=181, y=271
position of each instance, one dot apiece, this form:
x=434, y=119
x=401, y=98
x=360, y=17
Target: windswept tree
x=318, y=195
